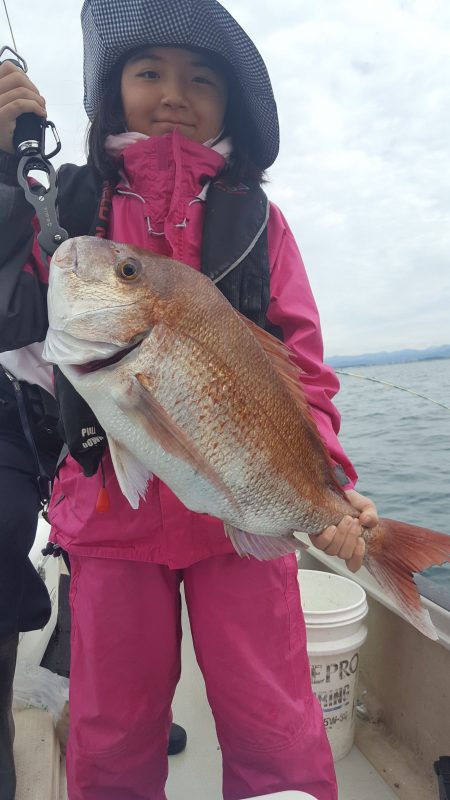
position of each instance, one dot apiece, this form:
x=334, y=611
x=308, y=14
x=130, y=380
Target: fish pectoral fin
x=262, y=548
x=132, y=476
x=173, y=439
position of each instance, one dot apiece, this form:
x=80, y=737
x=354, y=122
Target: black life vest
x=234, y=255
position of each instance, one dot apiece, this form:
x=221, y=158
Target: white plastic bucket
x=334, y=609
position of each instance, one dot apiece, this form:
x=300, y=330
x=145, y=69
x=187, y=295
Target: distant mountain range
x=396, y=357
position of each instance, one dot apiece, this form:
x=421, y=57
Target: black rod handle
x=27, y=137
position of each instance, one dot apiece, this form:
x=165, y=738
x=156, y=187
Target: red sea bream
x=189, y=390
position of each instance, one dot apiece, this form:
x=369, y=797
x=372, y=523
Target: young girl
x=183, y=125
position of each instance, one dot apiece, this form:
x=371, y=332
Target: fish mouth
x=101, y=363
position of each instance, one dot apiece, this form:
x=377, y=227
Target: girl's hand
x=17, y=96
x=344, y=540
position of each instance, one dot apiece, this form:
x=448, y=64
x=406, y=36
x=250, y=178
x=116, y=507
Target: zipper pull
x=102, y=505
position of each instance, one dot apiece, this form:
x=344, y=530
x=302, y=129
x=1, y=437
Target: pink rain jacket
x=160, y=207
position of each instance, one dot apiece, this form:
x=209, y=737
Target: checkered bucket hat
x=112, y=27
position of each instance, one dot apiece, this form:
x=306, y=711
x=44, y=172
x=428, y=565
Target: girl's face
x=168, y=88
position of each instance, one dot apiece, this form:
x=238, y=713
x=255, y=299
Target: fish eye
x=128, y=269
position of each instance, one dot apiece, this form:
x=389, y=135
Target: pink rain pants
x=249, y=639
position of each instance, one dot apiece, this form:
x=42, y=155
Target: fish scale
x=256, y=496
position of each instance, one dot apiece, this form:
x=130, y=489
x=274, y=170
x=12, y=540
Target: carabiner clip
x=51, y=125
x=20, y=61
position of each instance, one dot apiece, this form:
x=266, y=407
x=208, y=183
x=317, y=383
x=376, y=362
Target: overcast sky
x=363, y=176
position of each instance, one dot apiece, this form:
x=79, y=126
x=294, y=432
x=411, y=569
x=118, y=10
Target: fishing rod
x=392, y=385
x=10, y=26
x=29, y=144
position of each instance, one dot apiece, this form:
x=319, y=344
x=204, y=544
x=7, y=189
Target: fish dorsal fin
x=281, y=359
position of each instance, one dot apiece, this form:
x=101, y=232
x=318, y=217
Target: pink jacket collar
x=192, y=165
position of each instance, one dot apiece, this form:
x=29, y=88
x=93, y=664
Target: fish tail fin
x=395, y=551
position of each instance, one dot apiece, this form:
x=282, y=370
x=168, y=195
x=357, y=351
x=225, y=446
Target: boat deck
x=196, y=773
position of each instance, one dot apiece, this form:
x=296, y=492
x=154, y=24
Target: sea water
x=399, y=444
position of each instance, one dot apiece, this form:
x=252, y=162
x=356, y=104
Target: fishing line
x=392, y=385
x=9, y=23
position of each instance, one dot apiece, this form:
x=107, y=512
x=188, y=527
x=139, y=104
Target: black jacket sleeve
x=23, y=289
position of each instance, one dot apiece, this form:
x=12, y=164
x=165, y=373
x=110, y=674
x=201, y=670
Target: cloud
x=363, y=172
x=362, y=175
